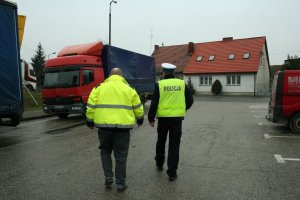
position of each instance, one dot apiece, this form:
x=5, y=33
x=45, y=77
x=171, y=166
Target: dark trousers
x=119, y=143
x=173, y=126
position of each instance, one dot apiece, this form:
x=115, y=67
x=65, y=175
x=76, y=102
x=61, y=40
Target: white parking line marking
x=261, y=124
x=267, y=136
x=260, y=106
x=280, y=159
x=258, y=111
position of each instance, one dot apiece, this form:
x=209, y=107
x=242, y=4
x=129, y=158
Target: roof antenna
x=151, y=40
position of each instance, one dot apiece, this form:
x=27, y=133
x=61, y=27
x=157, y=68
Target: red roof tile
x=222, y=50
x=176, y=55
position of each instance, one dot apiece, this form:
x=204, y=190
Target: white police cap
x=168, y=66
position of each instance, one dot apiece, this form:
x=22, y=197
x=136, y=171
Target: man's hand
x=90, y=124
x=152, y=123
x=140, y=121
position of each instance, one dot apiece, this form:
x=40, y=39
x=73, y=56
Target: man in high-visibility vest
x=114, y=108
x=171, y=99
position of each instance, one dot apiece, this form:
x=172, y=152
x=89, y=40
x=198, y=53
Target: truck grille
x=59, y=101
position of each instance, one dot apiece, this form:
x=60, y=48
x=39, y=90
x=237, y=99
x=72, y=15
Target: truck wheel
x=15, y=121
x=62, y=115
x=295, y=123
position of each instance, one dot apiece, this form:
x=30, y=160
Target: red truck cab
x=284, y=105
x=69, y=79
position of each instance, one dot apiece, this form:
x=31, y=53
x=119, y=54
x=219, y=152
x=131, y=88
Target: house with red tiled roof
x=241, y=65
x=178, y=55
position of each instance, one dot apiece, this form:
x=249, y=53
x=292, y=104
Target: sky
x=138, y=25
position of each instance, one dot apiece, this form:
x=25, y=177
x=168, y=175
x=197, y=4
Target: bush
x=216, y=88
x=190, y=85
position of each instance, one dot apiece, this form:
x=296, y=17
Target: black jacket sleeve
x=154, y=104
x=188, y=98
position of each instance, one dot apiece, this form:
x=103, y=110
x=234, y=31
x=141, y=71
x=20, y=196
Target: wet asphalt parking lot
x=228, y=151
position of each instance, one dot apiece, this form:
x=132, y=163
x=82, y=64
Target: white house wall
x=263, y=75
x=245, y=88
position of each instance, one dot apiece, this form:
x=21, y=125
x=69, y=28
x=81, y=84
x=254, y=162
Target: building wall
x=246, y=86
x=262, y=87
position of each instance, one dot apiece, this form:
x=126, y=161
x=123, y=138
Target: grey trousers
x=119, y=143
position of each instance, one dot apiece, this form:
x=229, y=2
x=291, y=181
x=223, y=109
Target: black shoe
x=108, y=182
x=172, y=178
x=121, y=187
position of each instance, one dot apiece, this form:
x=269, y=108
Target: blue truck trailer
x=137, y=69
x=11, y=93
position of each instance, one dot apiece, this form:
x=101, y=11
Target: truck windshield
x=63, y=77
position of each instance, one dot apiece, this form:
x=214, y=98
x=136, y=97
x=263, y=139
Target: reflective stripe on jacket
x=114, y=104
x=171, y=98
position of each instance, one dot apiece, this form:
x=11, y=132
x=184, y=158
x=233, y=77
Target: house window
x=205, y=80
x=211, y=58
x=231, y=56
x=199, y=58
x=233, y=80
x=246, y=55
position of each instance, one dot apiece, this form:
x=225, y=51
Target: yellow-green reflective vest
x=114, y=104
x=171, y=98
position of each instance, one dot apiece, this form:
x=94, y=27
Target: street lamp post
x=50, y=54
x=112, y=1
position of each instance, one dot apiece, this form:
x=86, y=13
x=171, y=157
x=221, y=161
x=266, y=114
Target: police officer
x=113, y=108
x=171, y=100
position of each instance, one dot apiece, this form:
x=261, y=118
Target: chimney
x=227, y=39
x=156, y=47
x=191, y=48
